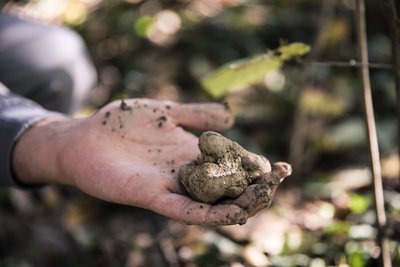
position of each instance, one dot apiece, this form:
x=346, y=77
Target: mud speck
x=226, y=106
x=161, y=120
x=106, y=116
x=120, y=122
x=124, y=106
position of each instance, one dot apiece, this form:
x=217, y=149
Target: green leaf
x=244, y=72
x=358, y=203
x=356, y=259
x=337, y=228
x=292, y=50
x=143, y=25
x=239, y=74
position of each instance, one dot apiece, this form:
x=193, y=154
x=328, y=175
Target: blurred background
x=309, y=113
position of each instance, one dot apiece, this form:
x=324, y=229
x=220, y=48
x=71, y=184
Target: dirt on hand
x=225, y=172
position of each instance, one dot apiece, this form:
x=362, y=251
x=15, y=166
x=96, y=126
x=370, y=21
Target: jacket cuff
x=17, y=114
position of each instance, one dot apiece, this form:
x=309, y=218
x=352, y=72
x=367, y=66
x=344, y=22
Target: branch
x=394, y=24
x=372, y=135
x=349, y=64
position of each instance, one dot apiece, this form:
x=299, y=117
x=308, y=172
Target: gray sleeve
x=17, y=114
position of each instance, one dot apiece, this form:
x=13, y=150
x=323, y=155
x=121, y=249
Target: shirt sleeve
x=17, y=114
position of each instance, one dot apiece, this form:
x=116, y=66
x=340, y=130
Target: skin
x=129, y=153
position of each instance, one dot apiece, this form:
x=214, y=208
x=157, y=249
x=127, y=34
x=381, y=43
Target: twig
x=349, y=64
x=394, y=23
x=372, y=135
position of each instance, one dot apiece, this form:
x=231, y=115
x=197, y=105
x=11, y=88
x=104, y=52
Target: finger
x=191, y=212
x=205, y=116
x=255, y=198
x=281, y=169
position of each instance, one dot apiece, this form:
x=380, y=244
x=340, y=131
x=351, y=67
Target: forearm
x=17, y=116
x=36, y=156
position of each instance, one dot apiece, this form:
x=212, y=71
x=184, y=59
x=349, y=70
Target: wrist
x=37, y=153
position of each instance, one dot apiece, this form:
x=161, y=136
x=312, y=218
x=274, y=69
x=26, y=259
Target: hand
x=129, y=152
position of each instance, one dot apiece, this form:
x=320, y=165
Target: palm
x=139, y=146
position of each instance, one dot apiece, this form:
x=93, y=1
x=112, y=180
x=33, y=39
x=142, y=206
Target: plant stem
x=372, y=135
x=344, y=64
x=394, y=24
